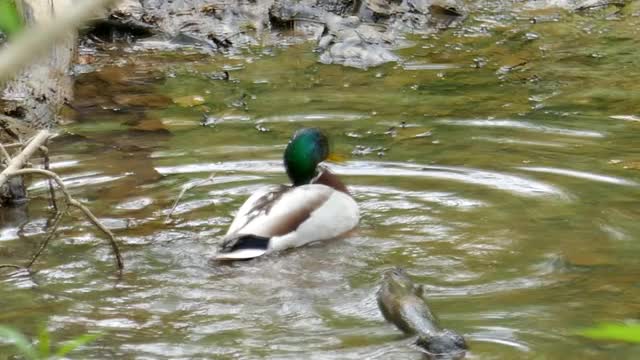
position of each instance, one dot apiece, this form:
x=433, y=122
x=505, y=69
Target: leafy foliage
x=10, y=19
x=43, y=351
x=612, y=331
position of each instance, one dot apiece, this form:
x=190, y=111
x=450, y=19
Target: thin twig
x=52, y=230
x=10, y=266
x=52, y=191
x=75, y=203
x=5, y=153
x=186, y=188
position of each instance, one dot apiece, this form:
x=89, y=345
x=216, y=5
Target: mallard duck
x=317, y=206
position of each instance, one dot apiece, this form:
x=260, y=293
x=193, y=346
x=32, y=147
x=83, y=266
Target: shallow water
x=512, y=195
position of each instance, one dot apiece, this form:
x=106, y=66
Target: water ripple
x=500, y=181
x=311, y=117
x=518, y=141
x=496, y=180
x=428, y=66
x=80, y=179
x=524, y=125
x=580, y=175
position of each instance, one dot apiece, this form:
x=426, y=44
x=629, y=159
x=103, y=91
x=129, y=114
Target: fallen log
x=19, y=161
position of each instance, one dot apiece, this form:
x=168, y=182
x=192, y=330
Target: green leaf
x=71, y=345
x=613, y=331
x=19, y=341
x=10, y=19
x=44, y=343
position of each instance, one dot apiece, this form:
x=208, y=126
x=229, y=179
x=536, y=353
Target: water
x=510, y=192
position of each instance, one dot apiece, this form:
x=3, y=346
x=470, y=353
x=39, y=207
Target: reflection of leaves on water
x=613, y=331
x=43, y=351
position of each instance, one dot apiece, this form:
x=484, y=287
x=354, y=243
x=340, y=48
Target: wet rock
x=209, y=120
x=368, y=39
x=343, y=40
x=583, y=5
x=13, y=192
x=125, y=21
x=415, y=16
x=224, y=75
x=115, y=29
x=384, y=7
x=13, y=130
x=128, y=8
x=226, y=24
x=364, y=40
x=262, y=128
x=350, y=43
x=240, y=103
x=401, y=302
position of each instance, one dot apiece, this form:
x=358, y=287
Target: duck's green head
x=307, y=148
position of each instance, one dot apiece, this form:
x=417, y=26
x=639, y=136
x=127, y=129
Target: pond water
x=499, y=165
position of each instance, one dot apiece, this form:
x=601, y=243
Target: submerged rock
x=401, y=303
x=13, y=192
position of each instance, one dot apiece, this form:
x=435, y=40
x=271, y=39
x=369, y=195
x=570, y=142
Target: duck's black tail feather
x=244, y=242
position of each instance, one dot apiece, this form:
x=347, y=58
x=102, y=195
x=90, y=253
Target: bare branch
x=45, y=242
x=11, y=266
x=45, y=153
x=5, y=153
x=75, y=203
x=13, y=145
x=186, y=188
x=21, y=159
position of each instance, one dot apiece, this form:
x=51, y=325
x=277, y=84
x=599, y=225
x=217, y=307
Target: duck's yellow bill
x=337, y=158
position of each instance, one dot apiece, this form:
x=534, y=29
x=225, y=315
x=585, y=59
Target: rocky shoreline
x=355, y=33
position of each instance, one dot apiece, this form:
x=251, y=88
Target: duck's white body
x=276, y=218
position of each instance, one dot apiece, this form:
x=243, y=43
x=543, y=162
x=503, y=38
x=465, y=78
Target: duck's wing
x=300, y=215
x=257, y=205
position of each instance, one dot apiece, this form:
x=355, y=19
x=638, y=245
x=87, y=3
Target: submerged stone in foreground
x=401, y=303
